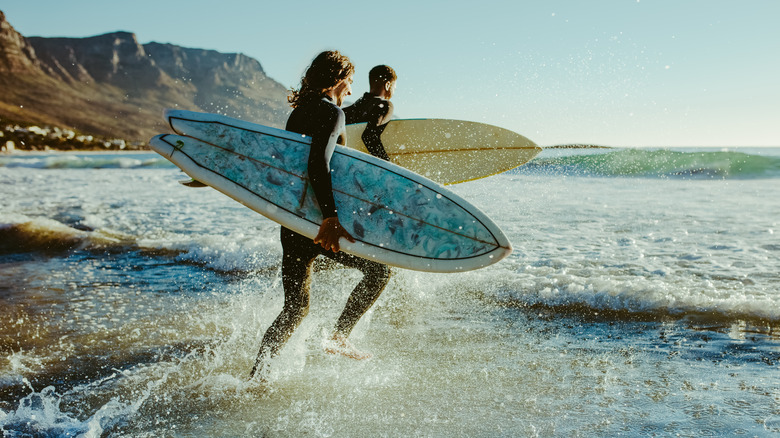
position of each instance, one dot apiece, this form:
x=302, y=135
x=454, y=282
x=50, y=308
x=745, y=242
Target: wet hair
x=381, y=74
x=326, y=70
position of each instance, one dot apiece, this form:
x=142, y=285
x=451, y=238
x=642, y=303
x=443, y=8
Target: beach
x=642, y=299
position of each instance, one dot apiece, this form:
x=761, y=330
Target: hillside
x=112, y=86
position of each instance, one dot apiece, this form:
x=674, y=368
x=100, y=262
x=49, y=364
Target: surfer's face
x=342, y=90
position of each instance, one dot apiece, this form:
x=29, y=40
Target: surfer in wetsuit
x=375, y=109
x=317, y=114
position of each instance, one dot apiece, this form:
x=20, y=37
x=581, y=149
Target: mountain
x=111, y=85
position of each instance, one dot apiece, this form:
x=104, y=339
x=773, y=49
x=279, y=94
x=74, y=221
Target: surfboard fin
x=192, y=183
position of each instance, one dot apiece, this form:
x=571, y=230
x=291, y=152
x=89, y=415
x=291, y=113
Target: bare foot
x=339, y=344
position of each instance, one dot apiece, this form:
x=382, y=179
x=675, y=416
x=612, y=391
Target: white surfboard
x=450, y=151
x=398, y=217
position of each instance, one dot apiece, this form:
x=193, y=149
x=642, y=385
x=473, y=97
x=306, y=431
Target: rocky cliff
x=111, y=85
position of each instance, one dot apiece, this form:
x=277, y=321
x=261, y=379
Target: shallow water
x=645, y=303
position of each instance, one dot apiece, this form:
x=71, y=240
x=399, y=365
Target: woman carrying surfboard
x=317, y=114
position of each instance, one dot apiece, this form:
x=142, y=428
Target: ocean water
x=642, y=299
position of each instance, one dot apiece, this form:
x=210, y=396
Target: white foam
x=39, y=413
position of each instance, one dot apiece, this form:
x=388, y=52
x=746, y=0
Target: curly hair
x=325, y=71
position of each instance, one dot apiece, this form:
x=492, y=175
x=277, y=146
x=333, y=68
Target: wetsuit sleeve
x=372, y=135
x=322, y=145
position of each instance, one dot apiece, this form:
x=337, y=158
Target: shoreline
x=74, y=151
x=146, y=149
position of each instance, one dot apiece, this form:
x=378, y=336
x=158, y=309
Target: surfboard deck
x=398, y=217
x=449, y=151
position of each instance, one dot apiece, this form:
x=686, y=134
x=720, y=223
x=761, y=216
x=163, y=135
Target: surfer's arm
x=372, y=135
x=319, y=173
x=322, y=146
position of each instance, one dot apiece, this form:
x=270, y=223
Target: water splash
x=41, y=414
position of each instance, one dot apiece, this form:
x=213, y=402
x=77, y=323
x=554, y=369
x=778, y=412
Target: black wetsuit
x=375, y=112
x=324, y=123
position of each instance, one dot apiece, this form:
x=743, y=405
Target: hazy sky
x=609, y=72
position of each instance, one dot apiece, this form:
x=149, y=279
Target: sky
x=630, y=73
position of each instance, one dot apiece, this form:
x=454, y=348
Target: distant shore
x=33, y=152
x=33, y=138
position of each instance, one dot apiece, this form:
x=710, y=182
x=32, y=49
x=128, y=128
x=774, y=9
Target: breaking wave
x=661, y=163
x=85, y=161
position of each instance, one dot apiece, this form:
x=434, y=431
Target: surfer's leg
x=297, y=259
x=295, y=279
x=365, y=294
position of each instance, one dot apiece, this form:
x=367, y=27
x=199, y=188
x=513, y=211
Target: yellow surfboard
x=450, y=151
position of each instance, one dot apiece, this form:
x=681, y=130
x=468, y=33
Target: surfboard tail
x=159, y=144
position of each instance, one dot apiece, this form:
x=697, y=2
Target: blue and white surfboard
x=398, y=217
